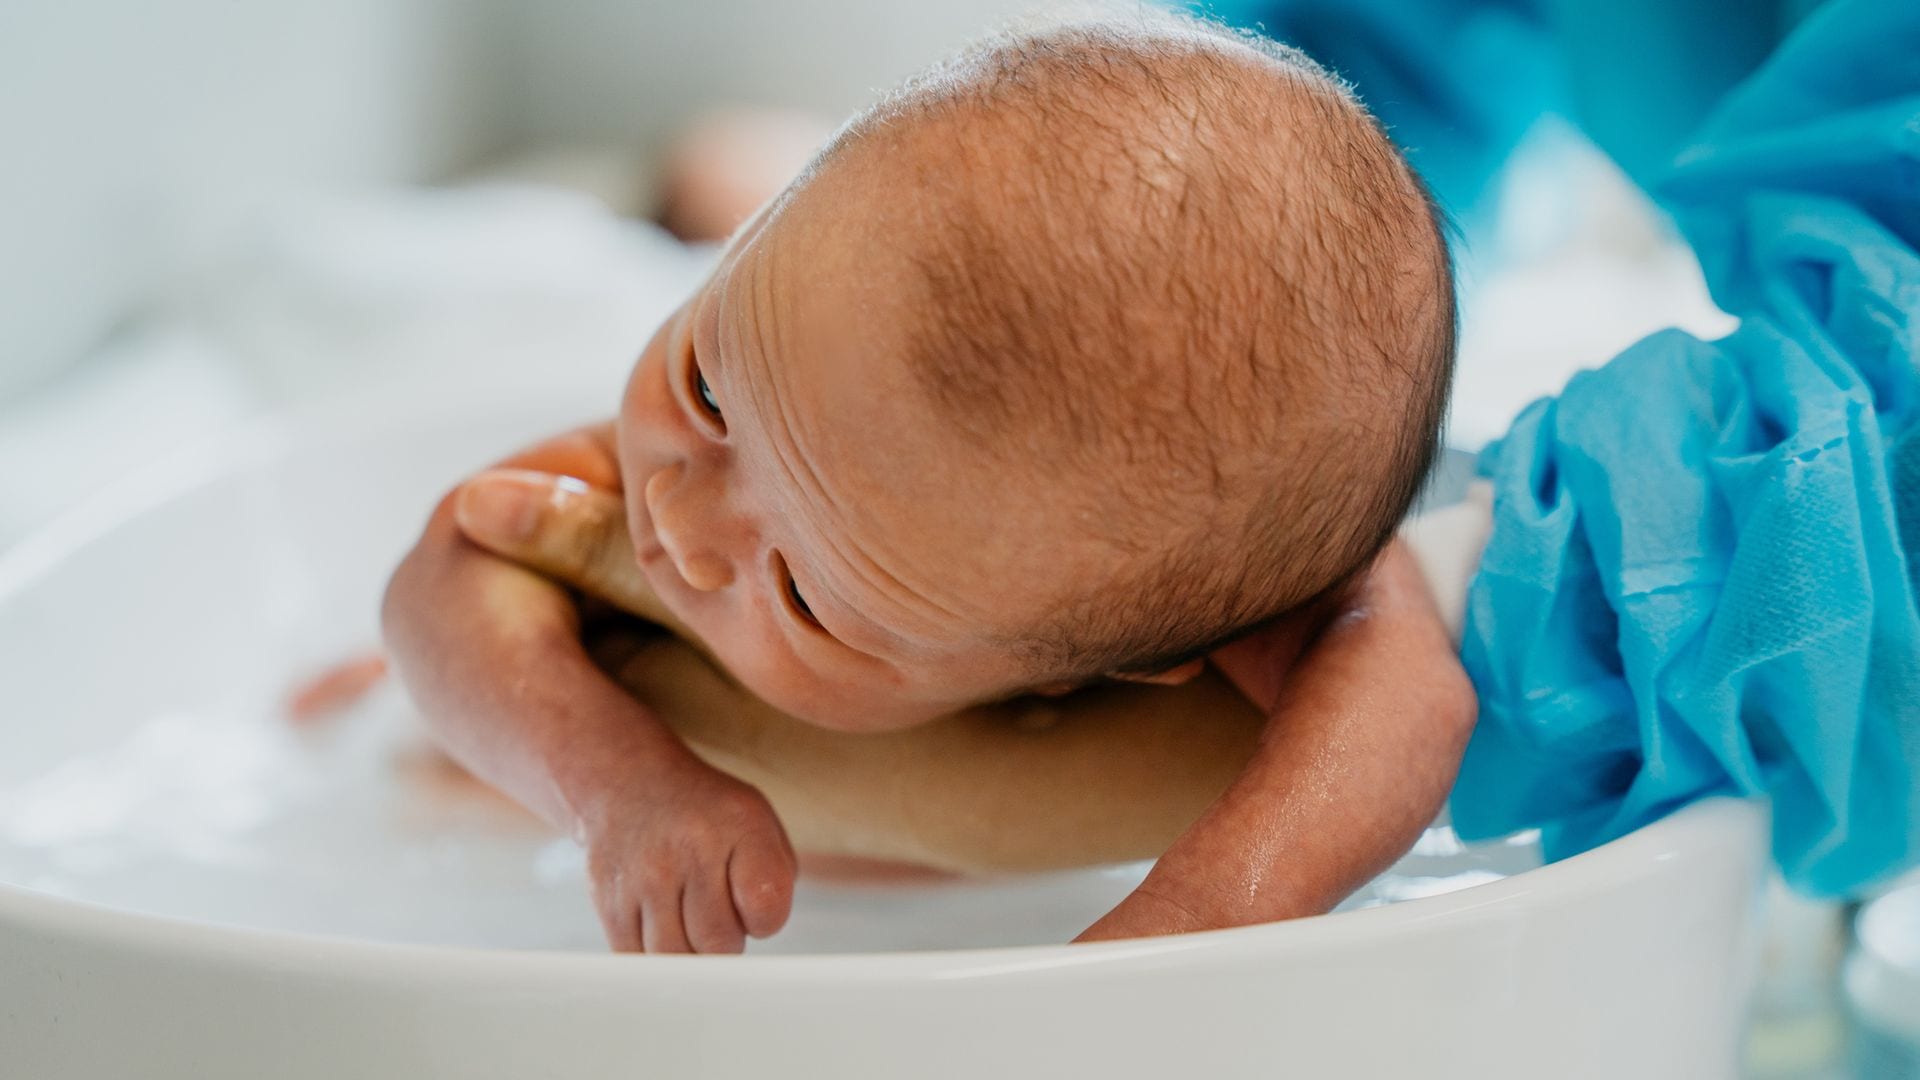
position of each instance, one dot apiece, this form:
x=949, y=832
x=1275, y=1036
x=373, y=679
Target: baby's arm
x=1346, y=759
x=1364, y=735
x=682, y=857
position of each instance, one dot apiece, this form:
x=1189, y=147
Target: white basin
x=190, y=888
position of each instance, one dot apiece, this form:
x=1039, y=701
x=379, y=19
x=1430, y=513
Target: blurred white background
x=199, y=218
x=214, y=210
x=138, y=132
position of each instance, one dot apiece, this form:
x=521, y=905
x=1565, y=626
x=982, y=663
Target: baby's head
x=1089, y=351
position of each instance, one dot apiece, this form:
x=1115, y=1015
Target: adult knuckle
x=602, y=532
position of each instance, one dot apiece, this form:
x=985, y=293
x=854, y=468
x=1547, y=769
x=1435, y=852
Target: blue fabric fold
x=1703, y=572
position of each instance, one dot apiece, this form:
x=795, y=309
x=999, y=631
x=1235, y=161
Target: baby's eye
x=705, y=393
x=800, y=602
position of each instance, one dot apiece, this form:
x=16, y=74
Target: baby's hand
x=692, y=862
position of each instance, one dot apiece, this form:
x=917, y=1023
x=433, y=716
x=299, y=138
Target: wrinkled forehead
x=834, y=280
x=996, y=537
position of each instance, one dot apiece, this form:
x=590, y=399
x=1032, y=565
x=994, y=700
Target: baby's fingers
x=706, y=911
x=760, y=876
x=661, y=930
x=621, y=921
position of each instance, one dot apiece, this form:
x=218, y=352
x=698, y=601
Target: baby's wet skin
x=681, y=857
x=797, y=501
x=1366, y=709
x=862, y=557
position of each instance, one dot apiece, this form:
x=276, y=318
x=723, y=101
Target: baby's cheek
x=769, y=672
x=858, y=696
x=808, y=696
x=647, y=420
x=638, y=400
x=646, y=383
x=872, y=708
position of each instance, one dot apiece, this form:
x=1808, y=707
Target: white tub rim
x=1647, y=851
x=1689, y=830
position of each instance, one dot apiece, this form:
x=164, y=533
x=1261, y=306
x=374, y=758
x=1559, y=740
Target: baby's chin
x=854, y=710
x=860, y=717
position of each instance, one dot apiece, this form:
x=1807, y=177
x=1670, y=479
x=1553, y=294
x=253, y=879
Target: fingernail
x=499, y=508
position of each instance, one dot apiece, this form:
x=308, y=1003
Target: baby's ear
x=1172, y=676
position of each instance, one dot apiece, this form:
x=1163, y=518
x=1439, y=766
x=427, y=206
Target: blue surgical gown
x=1703, y=571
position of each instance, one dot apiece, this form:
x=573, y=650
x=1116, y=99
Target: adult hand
x=565, y=530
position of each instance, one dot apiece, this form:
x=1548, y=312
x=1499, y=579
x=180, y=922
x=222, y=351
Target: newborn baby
x=1093, y=353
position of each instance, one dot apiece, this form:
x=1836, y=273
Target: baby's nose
x=685, y=538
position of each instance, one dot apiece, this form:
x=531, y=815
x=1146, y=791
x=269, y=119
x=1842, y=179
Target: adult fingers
x=560, y=527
